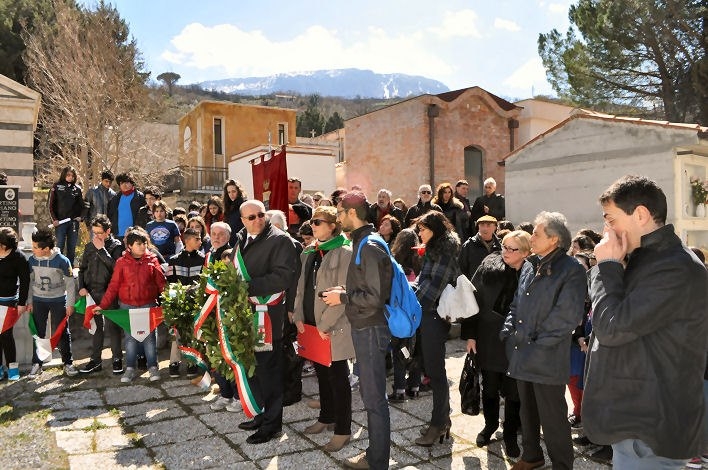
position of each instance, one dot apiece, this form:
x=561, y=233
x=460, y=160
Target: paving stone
x=111, y=439
x=73, y=400
x=63, y=419
x=222, y=422
x=407, y=437
x=403, y=420
x=205, y=453
x=203, y=398
x=135, y=458
x=318, y=460
x=299, y=412
x=142, y=413
x=132, y=394
x=75, y=442
x=172, y=431
x=289, y=442
x=183, y=390
x=82, y=423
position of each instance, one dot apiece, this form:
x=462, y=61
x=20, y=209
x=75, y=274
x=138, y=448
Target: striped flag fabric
x=137, y=322
x=87, y=306
x=8, y=317
x=45, y=346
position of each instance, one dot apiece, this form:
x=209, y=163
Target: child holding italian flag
x=137, y=282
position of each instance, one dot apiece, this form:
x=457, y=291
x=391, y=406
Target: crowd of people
x=620, y=319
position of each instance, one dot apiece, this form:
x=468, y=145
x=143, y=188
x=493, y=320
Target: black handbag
x=470, y=387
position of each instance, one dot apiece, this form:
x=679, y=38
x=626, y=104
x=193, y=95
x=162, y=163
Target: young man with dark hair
x=52, y=290
x=66, y=204
x=647, y=351
x=299, y=212
x=367, y=289
x=96, y=200
x=462, y=189
x=145, y=215
x=123, y=207
x=95, y=271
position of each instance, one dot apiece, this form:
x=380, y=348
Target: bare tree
x=94, y=98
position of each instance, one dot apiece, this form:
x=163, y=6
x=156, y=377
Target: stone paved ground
x=96, y=422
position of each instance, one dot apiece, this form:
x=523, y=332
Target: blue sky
x=492, y=44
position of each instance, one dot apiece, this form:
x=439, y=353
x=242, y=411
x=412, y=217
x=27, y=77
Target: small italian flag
x=137, y=322
x=8, y=317
x=87, y=306
x=46, y=346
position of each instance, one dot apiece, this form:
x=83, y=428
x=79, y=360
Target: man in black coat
x=490, y=203
x=476, y=248
x=95, y=271
x=269, y=258
x=299, y=212
x=383, y=207
x=425, y=196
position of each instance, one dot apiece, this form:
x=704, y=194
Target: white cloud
x=227, y=51
x=506, y=24
x=530, y=75
x=558, y=7
x=461, y=23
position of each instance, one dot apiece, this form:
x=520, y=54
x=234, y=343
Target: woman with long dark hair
x=66, y=204
x=389, y=228
x=234, y=195
x=324, y=264
x=440, y=268
x=496, y=281
x=215, y=212
x=14, y=288
x=451, y=206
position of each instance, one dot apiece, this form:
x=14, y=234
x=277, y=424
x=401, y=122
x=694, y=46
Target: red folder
x=311, y=346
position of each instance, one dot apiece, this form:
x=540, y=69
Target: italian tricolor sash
x=8, y=317
x=248, y=401
x=261, y=320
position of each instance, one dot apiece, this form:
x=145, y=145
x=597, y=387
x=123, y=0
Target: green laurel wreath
x=181, y=304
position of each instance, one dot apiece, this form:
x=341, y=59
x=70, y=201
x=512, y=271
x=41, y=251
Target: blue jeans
x=133, y=347
x=371, y=345
x=634, y=454
x=68, y=233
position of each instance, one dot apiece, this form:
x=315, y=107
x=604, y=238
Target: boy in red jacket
x=137, y=281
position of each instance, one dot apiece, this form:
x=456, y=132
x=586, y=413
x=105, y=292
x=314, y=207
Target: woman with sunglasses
x=440, y=268
x=324, y=264
x=425, y=204
x=496, y=281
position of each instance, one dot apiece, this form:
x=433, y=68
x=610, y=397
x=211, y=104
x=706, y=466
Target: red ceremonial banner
x=311, y=346
x=270, y=180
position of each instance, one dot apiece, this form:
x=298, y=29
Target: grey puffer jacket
x=547, y=307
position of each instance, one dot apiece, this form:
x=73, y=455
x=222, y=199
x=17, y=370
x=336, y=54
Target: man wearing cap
x=477, y=247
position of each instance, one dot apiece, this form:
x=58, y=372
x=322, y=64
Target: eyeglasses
x=508, y=248
x=253, y=217
x=426, y=192
x=318, y=222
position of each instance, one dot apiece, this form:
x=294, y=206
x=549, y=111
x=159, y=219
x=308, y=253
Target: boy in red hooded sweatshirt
x=137, y=281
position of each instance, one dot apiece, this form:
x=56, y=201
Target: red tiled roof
x=449, y=96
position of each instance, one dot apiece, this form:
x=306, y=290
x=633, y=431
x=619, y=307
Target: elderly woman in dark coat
x=496, y=281
x=440, y=268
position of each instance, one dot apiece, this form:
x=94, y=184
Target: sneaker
x=576, y=422
x=695, y=462
x=70, y=370
x=174, y=370
x=220, y=403
x=91, y=366
x=234, y=406
x=13, y=372
x=704, y=457
x=154, y=374
x=192, y=370
x=117, y=366
x=129, y=375
x=35, y=371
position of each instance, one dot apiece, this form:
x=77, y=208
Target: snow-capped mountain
x=346, y=83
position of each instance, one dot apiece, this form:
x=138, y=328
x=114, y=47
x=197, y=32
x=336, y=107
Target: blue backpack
x=403, y=311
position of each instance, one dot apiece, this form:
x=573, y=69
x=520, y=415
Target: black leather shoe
x=287, y=401
x=250, y=425
x=483, y=439
x=261, y=437
x=412, y=394
x=397, y=397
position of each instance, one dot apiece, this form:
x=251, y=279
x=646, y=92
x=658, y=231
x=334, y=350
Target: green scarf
x=331, y=244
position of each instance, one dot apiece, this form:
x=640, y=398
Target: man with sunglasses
x=267, y=259
x=477, y=247
x=425, y=196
